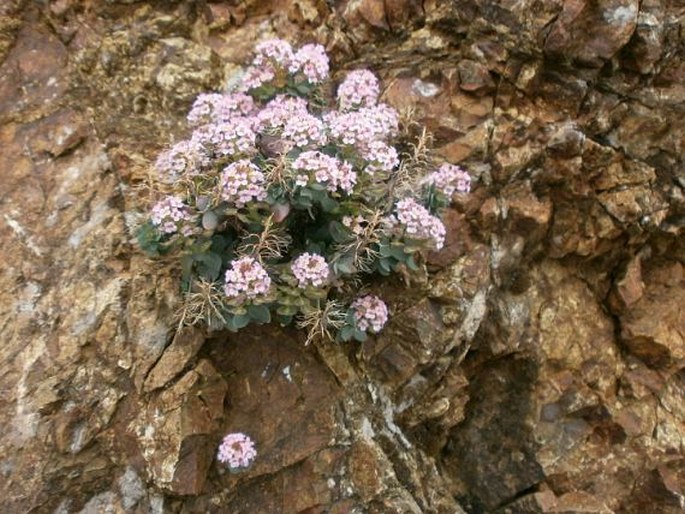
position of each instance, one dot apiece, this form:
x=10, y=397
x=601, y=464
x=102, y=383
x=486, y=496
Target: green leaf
x=237, y=321
x=384, y=250
x=397, y=251
x=302, y=201
x=186, y=268
x=411, y=263
x=316, y=293
x=284, y=320
x=208, y=265
x=149, y=238
x=287, y=310
x=328, y=204
x=338, y=232
x=346, y=333
x=304, y=88
x=360, y=335
x=384, y=266
x=313, y=247
x=221, y=243
x=259, y=313
x=345, y=265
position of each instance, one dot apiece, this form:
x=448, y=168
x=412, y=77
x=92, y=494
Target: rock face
x=540, y=369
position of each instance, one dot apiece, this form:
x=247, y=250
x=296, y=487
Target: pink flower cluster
x=448, y=179
x=381, y=157
x=276, y=56
x=418, y=223
x=219, y=108
x=247, y=277
x=183, y=158
x=236, y=137
x=275, y=114
x=360, y=128
x=304, y=130
x=370, y=313
x=312, y=61
x=242, y=182
x=171, y=215
x=237, y=450
x=359, y=89
x=326, y=169
x=257, y=76
x=310, y=269
x=271, y=57
x=273, y=52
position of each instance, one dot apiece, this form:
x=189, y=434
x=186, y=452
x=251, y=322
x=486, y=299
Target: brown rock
x=403, y=13
x=185, y=345
x=630, y=288
x=33, y=75
x=653, y=327
x=539, y=365
x=174, y=433
x=474, y=77
x=57, y=134
x=591, y=32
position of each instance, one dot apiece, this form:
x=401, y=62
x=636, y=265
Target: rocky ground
x=542, y=367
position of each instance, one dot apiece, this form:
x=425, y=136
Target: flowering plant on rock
x=279, y=204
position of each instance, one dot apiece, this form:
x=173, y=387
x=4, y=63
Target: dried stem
x=414, y=166
x=271, y=243
x=202, y=304
x=320, y=322
x=361, y=247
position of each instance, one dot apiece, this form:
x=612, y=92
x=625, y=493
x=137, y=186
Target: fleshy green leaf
x=259, y=313
x=346, y=333
x=328, y=204
x=208, y=265
x=238, y=321
x=149, y=239
x=338, y=232
x=359, y=335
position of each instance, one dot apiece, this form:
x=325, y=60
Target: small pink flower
x=326, y=170
x=237, y=451
x=184, y=158
x=171, y=215
x=356, y=224
x=273, y=51
x=415, y=222
x=312, y=61
x=303, y=130
x=242, y=182
x=361, y=128
x=310, y=269
x=236, y=137
x=380, y=156
x=219, y=108
x=247, y=277
x=448, y=179
x=276, y=114
x=370, y=313
x=359, y=89
x=256, y=76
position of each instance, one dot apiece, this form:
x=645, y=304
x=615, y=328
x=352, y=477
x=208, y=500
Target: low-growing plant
x=282, y=202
